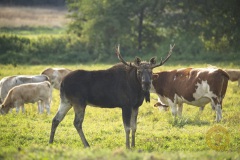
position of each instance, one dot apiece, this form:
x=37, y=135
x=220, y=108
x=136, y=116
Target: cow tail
x=49, y=92
x=225, y=78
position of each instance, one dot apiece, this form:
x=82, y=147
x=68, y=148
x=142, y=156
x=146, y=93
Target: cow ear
x=137, y=61
x=152, y=60
x=155, y=76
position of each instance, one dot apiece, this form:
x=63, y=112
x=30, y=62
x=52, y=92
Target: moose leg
x=79, y=117
x=126, y=115
x=62, y=111
x=134, y=124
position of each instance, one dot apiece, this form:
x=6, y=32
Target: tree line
x=201, y=30
x=144, y=24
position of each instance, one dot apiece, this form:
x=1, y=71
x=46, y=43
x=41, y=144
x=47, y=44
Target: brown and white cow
x=234, y=75
x=194, y=86
x=28, y=93
x=56, y=75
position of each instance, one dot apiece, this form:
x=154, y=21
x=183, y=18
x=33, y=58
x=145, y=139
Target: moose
x=124, y=85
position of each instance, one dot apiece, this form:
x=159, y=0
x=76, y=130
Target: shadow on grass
x=180, y=122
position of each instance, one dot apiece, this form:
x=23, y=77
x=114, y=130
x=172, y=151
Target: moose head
x=143, y=68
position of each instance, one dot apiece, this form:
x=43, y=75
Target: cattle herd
x=124, y=85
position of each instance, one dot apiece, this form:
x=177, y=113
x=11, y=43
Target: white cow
x=28, y=93
x=8, y=83
x=56, y=75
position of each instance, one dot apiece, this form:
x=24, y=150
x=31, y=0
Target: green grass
x=159, y=136
x=32, y=31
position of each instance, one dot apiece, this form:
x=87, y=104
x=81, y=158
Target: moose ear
x=152, y=60
x=137, y=61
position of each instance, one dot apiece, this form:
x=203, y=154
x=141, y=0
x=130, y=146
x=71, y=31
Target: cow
x=9, y=82
x=234, y=75
x=124, y=85
x=194, y=86
x=56, y=75
x=27, y=93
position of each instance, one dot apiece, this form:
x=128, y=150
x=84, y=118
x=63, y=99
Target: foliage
x=159, y=135
x=41, y=49
x=69, y=49
x=144, y=25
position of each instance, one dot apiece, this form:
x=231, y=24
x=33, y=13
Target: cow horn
x=165, y=60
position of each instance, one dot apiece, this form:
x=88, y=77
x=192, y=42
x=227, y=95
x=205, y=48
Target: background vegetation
x=159, y=136
x=201, y=30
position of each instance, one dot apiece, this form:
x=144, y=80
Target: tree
x=144, y=24
x=215, y=21
x=105, y=23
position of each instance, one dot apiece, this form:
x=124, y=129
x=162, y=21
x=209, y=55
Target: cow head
x=144, y=69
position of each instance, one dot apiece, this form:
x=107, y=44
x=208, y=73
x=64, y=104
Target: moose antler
x=165, y=60
x=120, y=57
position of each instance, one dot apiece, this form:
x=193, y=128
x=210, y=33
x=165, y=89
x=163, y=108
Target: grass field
x=159, y=136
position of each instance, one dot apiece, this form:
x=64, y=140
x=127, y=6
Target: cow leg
x=173, y=105
x=17, y=109
x=218, y=112
x=218, y=108
x=239, y=82
x=174, y=109
x=201, y=108
x=79, y=117
x=40, y=107
x=62, y=111
x=17, y=106
x=134, y=125
x=126, y=116
x=179, y=111
x=47, y=106
x=22, y=108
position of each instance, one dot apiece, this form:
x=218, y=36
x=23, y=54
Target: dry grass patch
x=33, y=16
